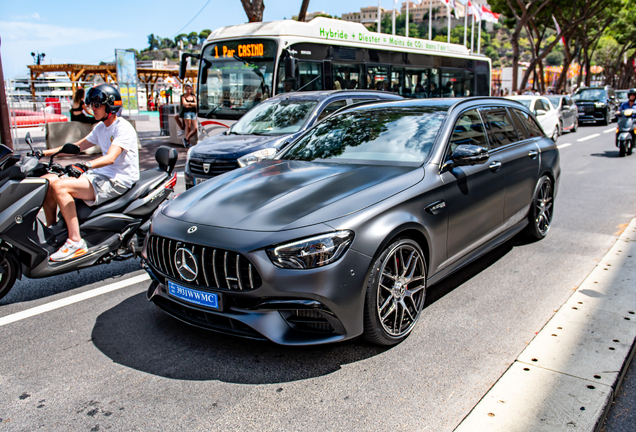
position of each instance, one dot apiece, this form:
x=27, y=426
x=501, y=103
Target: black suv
x=597, y=104
x=267, y=128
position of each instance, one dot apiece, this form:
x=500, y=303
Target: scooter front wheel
x=622, y=148
x=8, y=274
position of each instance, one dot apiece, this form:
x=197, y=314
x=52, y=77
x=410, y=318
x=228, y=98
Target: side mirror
x=290, y=67
x=184, y=63
x=468, y=154
x=540, y=112
x=69, y=148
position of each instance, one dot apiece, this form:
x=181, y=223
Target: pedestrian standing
x=189, y=104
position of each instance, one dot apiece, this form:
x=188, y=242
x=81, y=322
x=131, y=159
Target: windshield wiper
x=209, y=113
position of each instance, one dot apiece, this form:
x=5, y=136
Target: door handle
x=494, y=166
x=533, y=154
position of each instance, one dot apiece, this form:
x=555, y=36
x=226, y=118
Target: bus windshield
x=235, y=76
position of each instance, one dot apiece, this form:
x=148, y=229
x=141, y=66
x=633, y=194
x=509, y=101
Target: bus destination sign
x=242, y=50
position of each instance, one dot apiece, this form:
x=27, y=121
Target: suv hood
x=235, y=146
x=276, y=195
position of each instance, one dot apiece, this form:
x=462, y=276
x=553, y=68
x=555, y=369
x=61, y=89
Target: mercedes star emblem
x=186, y=264
x=192, y=229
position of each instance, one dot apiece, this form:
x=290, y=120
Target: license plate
x=200, y=298
x=199, y=180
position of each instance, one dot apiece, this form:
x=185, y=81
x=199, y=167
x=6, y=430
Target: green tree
x=204, y=35
x=193, y=38
x=153, y=42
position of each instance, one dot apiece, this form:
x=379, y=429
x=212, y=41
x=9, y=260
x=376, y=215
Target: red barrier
x=37, y=120
x=55, y=103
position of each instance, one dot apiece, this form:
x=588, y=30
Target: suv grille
x=217, y=166
x=218, y=268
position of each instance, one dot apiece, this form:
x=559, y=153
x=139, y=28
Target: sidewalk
x=569, y=374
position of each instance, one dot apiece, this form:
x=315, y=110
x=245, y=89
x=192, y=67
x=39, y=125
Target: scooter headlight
x=628, y=112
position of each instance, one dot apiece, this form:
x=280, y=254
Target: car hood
x=277, y=195
x=235, y=146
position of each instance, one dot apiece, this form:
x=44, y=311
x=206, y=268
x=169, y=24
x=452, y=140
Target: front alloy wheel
x=395, y=293
x=542, y=208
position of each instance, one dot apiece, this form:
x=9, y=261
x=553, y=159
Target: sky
x=88, y=32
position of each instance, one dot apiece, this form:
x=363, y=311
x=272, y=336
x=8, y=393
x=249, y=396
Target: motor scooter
x=625, y=132
x=114, y=230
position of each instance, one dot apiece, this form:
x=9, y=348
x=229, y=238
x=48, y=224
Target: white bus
x=243, y=64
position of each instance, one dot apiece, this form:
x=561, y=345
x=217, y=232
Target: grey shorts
x=105, y=189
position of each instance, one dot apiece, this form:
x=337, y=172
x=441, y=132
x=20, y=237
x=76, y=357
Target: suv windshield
x=275, y=117
x=386, y=136
x=590, y=94
x=621, y=94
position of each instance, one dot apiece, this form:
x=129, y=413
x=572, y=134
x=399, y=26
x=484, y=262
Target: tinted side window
x=501, y=131
x=468, y=130
x=333, y=106
x=533, y=129
x=521, y=130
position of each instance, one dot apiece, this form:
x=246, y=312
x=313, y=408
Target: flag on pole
x=488, y=15
x=474, y=11
x=558, y=29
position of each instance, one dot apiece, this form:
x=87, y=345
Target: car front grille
x=217, y=166
x=218, y=268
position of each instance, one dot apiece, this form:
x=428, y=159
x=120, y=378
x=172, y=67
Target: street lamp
x=37, y=58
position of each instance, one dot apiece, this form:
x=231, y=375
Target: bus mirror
x=183, y=65
x=290, y=67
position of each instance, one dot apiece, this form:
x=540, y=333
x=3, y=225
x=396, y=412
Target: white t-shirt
x=125, y=169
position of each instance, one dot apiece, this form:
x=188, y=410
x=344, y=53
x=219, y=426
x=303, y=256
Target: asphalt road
x=116, y=362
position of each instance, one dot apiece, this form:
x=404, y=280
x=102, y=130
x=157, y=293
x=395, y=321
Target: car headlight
x=311, y=252
x=257, y=156
x=599, y=104
x=188, y=153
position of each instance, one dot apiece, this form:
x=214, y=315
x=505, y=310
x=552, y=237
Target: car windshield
x=590, y=94
x=387, y=136
x=621, y=94
x=276, y=117
x=556, y=100
x=525, y=102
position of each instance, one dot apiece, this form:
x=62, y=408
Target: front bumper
x=290, y=307
x=595, y=115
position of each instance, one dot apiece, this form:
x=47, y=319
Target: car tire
x=541, y=209
x=555, y=134
x=575, y=127
x=606, y=120
x=395, y=295
x=7, y=276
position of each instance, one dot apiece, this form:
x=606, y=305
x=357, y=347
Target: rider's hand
x=76, y=170
x=38, y=154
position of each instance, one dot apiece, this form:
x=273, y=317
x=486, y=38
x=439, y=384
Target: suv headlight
x=599, y=104
x=311, y=252
x=257, y=156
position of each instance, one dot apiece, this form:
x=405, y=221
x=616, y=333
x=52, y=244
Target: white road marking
x=560, y=146
x=72, y=299
x=588, y=137
x=610, y=130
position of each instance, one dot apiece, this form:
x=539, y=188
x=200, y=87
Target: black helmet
x=106, y=95
x=631, y=92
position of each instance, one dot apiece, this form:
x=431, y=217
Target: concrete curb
x=568, y=375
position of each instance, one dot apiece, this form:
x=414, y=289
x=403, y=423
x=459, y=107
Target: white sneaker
x=181, y=133
x=70, y=250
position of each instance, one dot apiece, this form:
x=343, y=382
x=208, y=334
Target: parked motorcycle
x=625, y=132
x=114, y=230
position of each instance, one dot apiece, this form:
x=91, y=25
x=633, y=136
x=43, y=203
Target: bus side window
x=309, y=75
x=346, y=77
x=378, y=78
x=396, y=80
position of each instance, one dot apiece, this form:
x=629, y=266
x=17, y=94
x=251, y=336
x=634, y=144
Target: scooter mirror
x=29, y=141
x=70, y=149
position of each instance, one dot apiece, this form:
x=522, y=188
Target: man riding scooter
x=625, y=133
x=100, y=180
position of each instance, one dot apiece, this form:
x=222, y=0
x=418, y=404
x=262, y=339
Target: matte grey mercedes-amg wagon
x=342, y=232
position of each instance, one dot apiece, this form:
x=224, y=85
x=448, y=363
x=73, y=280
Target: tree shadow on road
x=136, y=334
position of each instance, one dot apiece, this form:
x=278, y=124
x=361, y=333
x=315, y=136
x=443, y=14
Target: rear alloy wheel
x=556, y=133
x=576, y=125
x=606, y=120
x=8, y=274
x=541, y=209
x=395, y=293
